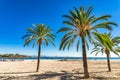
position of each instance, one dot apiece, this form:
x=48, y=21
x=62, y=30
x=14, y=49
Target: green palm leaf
x=38, y=33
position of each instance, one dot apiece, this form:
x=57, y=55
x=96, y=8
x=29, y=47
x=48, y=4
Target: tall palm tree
x=106, y=44
x=40, y=35
x=80, y=26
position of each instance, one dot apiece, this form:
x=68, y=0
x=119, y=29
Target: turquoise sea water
x=73, y=58
x=70, y=58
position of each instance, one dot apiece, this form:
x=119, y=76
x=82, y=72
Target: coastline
x=61, y=58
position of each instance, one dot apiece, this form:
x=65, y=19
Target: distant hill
x=14, y=56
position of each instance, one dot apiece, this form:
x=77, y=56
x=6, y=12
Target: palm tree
x=105, y=43
x=80, y=26
x=40, y=35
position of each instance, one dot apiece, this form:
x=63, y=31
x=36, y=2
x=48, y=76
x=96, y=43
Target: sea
x=66, y=58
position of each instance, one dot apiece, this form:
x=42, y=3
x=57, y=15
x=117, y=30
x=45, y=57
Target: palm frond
x=64, y=29
x=40, y=33
x=89, y=11
x=105, y=25
x=105, y=17
x=77, y=46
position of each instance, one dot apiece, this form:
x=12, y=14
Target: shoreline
x=52, y=60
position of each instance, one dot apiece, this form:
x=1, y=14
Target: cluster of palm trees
x=82, y=27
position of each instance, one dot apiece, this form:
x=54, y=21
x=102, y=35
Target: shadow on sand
x=63, y=75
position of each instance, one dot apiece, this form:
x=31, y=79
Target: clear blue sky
x=18, y=15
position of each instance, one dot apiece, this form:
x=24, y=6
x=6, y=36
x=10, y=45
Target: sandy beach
x=57, y=70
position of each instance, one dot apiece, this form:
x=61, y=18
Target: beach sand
x=57, y=70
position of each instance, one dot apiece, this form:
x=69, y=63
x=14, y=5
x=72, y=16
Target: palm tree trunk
x=38, y=61
x=108, y=59
x=85, y=66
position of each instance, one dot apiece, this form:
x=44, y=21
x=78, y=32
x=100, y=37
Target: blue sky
x=18, y=15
